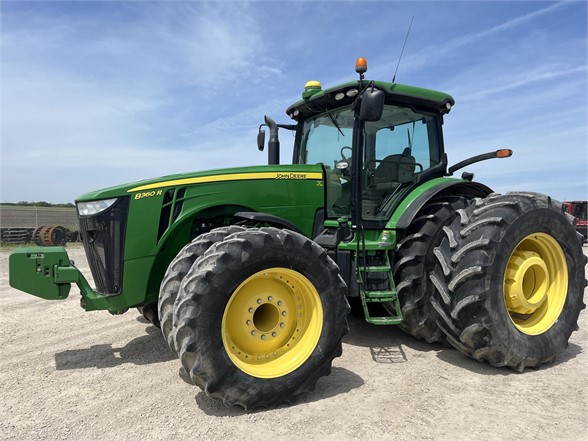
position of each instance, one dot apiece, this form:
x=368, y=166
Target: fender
x=450, y=187
x=270, y=219
x=178, y=235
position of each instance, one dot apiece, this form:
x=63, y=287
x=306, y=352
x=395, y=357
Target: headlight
x=94, y=207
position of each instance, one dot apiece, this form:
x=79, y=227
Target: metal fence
x=14, y=216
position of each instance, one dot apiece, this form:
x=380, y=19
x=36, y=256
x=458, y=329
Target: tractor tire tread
x=462, y=278
x=177, y=270
x=413, y=255
x=198, y=331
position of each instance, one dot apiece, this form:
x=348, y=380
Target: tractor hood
x=228, y=174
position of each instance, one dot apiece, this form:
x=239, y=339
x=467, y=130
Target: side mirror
x=372, y=105
x=261, y=139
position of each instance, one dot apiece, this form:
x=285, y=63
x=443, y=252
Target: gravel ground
x=70, y=375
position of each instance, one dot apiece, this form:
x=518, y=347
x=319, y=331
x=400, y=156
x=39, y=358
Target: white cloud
x=138, y=90
x=85, y=96
x=441, y=47
x=523, y=78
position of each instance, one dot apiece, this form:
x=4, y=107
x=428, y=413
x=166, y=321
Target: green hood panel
x=279, y=172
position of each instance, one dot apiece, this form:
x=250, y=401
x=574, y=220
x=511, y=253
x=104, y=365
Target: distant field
x=25, y=217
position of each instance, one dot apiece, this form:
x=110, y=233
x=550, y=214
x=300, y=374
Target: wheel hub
x=268, y=325
x=527, y=282
x=536, y=283
x=267, y=316
x=272, y=322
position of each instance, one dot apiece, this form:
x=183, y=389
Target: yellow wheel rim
x=272, y=323
x=536, y=283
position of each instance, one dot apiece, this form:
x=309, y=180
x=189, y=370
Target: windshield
x=398, y=147
x=324, y=136
x=326, y=139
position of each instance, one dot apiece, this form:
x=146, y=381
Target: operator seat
x=394, y=169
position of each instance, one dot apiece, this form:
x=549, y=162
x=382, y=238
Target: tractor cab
x=396, y=150
x=376, y=141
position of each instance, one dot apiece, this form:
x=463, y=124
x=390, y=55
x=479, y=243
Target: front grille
x=103, y=236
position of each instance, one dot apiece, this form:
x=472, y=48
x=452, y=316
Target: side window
x=402, y=144
x=409, y=139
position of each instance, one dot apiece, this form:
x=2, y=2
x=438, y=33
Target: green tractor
x=248, y=270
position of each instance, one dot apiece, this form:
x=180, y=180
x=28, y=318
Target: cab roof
x=399, y=94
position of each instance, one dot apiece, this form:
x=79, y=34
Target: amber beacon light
x=361, y=65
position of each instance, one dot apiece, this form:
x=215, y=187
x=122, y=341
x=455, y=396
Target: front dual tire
x=259, y=317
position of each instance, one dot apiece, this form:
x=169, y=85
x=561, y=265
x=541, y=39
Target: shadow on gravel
x=147, y=349
x=212, y=407
x=386, y=346
x=385, y=342
x=460, y=360
x=572, y=351
x=341, y=381
x=143, y=320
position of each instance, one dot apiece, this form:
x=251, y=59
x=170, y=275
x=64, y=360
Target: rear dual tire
x=414, y=257
x=509, y=280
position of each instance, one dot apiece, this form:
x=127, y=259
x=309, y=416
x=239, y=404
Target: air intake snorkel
x=273, y=145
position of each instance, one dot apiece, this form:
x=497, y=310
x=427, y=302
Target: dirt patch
x=71, y=375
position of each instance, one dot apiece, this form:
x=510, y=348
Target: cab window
x=397, y=148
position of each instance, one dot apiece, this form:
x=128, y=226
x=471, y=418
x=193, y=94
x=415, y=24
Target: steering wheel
x=346, y=147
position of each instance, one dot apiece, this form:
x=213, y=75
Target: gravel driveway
x=71, y=375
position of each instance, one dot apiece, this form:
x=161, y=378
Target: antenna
x=402, y=51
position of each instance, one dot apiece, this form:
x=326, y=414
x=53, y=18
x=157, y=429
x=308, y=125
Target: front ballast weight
x=47, y=272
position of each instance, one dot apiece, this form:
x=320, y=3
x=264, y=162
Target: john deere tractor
x=248, y=270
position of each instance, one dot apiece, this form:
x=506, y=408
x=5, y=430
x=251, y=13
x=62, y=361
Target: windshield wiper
x=335, y=123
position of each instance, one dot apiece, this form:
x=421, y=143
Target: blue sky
x=99, y=93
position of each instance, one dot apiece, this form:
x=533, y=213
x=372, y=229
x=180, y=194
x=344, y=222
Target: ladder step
x=380, y=296
x=384, y=320
x=376, y=269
